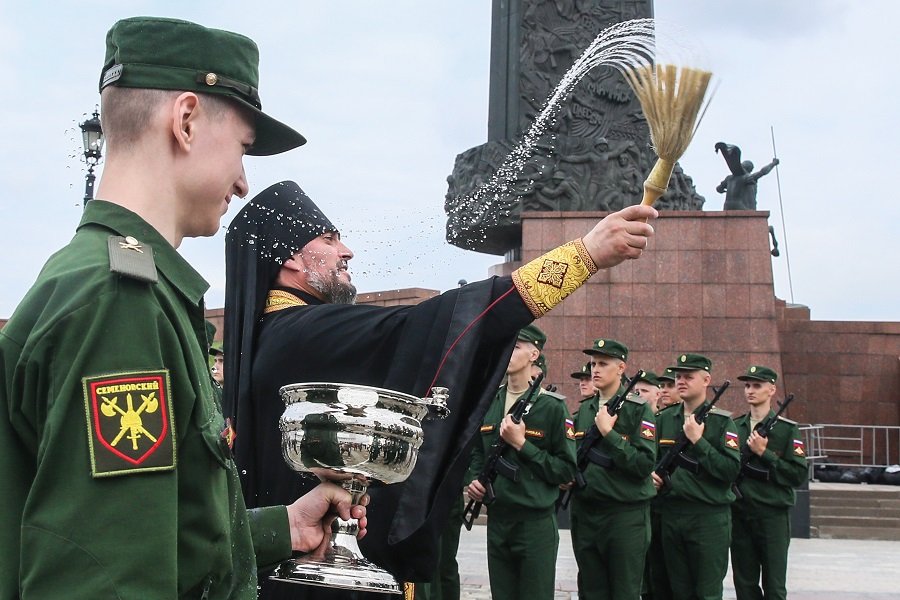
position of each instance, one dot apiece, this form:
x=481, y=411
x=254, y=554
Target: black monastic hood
x=274, y=225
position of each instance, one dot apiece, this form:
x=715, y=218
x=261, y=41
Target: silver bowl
x=352, y=435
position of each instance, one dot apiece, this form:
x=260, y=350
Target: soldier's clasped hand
x=512, y=433
x=693, y=430
x=757, y=443
x=476, y=490
x=604, y=421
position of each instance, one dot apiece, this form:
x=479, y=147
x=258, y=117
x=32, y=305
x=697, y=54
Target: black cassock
x=399, y=348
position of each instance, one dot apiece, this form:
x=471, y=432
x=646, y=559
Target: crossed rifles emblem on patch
x=130, y=420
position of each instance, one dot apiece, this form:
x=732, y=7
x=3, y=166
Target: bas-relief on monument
x=597, y=154
x=705, y=285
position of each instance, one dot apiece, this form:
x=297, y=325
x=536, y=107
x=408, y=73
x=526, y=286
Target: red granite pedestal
x=705, y=285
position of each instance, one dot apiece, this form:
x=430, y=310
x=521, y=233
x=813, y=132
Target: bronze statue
x=740, y=187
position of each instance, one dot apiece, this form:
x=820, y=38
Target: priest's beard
x=333, y=290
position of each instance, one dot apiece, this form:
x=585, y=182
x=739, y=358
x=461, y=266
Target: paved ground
x=817, y=569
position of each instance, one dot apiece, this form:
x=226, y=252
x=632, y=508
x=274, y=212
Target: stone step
x=856, y=521
x=869, y=503
x=836, y=532
x=854, y=511
x=853, y=491
x=860, y=491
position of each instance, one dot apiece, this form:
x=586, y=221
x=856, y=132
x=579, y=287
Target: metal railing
x=852, y=445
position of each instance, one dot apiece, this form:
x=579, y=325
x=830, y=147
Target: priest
x=290, y=318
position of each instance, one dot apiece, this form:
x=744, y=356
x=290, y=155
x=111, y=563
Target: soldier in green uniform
x=656, y=584
x=611, y=516
x=656, y=579
x=667, y=393
x=217, y=356
x=586, y=387
x=118, y=481
x=648, y=389
x=761, y=523
x=695, y=512
x=522, y=535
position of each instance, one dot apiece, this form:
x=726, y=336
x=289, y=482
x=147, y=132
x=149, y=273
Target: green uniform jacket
x=784, y=459
x=178, y=531
x=717, y=452
x=632, y=447
x=546, y=460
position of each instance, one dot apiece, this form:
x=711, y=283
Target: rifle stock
x=495, y=463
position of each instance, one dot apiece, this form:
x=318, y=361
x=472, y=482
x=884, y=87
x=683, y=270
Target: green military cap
x=170, y=54
x=692, y=362
x=216, y=348
x=534, y=335
x=541, y=362
x=651, y=378
x=667, y=375
x=609, y=348
x=584, y=372
x=758, y=373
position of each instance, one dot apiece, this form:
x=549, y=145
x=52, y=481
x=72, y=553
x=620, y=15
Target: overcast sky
x=389, y=92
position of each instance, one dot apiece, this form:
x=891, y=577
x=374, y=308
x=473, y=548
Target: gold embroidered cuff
x=547, y=280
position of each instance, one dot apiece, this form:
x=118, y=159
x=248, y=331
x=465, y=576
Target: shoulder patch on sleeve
x=635, y=398
x=131, y=258
x=732, y=440
x=129, y=422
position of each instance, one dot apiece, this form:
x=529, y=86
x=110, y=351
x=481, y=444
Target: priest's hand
x=620, y=235
x=307, y=515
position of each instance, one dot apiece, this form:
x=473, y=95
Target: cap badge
x=683, y=358
x=601, y=343
x=131, y=243
x=753, y=369
x=212, y=79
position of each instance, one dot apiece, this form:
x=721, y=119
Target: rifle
x=763, y=428
x=495, y=463
x=588, y=452
x=675, y=457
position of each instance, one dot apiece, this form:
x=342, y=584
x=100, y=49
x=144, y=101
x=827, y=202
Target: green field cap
x=534, y=335
x=758, y=373
x=692, y=362
x=170, y=54
x=609, y=348
x=541, y=363
x=651, y=378
x=667, y=375
x=584, y=372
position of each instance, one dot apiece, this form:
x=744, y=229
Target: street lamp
x=92, y=136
